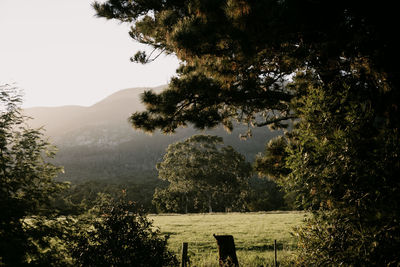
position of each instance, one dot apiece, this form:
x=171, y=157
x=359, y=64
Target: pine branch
x=267, y=122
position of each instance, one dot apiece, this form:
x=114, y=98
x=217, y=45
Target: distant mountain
x=61, y=122
x=98, y=143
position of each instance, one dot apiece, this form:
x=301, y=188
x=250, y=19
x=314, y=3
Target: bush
x=122, y=236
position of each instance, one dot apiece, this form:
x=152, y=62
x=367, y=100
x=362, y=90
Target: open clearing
x=254, y=235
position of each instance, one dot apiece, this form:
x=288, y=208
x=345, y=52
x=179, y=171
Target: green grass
x=254, y=235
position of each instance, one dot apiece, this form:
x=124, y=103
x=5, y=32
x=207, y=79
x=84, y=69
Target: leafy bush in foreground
x=123, y=236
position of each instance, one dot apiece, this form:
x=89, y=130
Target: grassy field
x=254, y=235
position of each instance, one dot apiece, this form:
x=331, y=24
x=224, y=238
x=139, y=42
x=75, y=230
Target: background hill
x=98, y=143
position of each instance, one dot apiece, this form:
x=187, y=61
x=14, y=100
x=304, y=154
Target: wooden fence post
x=275, y=258
x=184, y=254
x=226, y=250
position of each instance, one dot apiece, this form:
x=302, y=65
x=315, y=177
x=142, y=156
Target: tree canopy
x=203, y=167
x=238, y=55
x=330, y=66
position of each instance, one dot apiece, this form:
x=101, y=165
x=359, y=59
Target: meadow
x=254, y=235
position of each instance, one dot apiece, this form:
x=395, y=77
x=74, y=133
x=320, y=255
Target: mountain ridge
x=117, y=107
x=98, y=142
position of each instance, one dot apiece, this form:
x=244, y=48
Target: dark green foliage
x=334, y=239
x=272, y=162
x=168, y=200
x=272, y=165
x=122, y=236
x=213, y=175
x=261, y=195
x=265, y=195
x=344, y=161
x=27, y=187
x=81, y=197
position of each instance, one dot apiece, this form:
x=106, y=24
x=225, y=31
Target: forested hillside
x=98, y=143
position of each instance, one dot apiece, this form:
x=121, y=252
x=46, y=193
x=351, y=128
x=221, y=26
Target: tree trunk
x=186, y=203
x=209, y=204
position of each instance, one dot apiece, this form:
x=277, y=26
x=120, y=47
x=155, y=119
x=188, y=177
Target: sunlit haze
x=59, y=53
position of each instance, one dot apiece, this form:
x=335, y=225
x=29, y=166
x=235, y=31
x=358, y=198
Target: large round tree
x=201, y=166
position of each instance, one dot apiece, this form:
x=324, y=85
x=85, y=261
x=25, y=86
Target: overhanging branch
x=267, y=122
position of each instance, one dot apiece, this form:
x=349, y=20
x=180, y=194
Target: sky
x=59, y=53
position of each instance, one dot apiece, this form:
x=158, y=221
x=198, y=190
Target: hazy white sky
x=60, y=54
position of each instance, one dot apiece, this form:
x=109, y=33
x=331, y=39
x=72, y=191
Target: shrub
x=122, y=236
